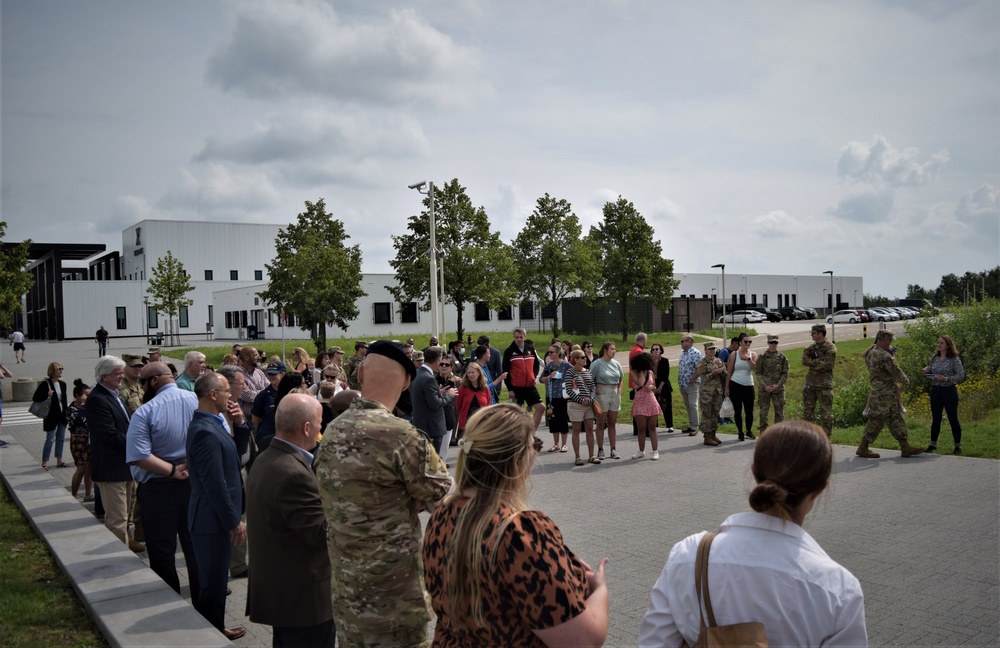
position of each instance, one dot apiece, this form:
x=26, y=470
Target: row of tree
x=970, y=287
x=550, y=260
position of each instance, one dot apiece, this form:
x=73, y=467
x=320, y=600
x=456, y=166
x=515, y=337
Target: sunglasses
x=772, y=341
x=747, y=342
x=329, y=376
x=147, y=379
x=445, y=364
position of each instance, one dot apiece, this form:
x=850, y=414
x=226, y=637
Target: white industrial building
x=226, y=264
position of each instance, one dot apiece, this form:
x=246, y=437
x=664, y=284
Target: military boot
x=908, y=450
x=863, y=451
x=712, y=440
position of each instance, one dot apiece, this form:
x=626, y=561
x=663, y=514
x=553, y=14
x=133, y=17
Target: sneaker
x=639, y=455
x=750, y=435
x=600, y=453
x=3, y=444
x=958, y=450
x=656, y=455
x=88, y=498
x=614, y=454
x=866, y=411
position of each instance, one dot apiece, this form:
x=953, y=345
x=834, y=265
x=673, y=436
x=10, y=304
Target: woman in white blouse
x=763, y=566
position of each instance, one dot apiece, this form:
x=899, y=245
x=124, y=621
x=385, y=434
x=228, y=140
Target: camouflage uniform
x=884, y=373
x=351, y=371
x=771, y=369
x=819, y=358
x=374, y=471
x=131, y=395
x=710, y=397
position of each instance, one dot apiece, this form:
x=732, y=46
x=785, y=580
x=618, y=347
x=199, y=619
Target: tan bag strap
x=701, y=581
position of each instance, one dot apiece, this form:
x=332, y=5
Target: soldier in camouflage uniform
x=131, y=392
x=375, y=473
x=819, y=357
x=351, y=365
x=772, y=372
x=710, y=397
x=884, y=373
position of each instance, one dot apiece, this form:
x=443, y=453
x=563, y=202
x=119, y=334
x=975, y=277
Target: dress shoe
x=242, y=574
x=233, y=634
x=136, y=547
x=229, y=592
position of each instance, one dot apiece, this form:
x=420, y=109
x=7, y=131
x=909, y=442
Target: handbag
x=40, y=408
x=715, y=636
x=727, y=410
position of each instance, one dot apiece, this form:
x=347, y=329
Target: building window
x=211, y=315
x=120, y=317
x=258, y=275
x=243, y=319
x=152, y=317
x=256, y=301
x=209, y=275
x=270, y=317
x=229, y=319
x=527, y=310
x=704, y=296
x=234, y=275
x=383, y=312
x=482, y=312
x=753, y=297
x=765, y=300
x=549, y=311
x=506, y=313
x=183, y=316
x=408, y=313
x=795, y=299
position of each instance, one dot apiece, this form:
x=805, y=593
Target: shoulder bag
x=40, y=408
x=715, y=636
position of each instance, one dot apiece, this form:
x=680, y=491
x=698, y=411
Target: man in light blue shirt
x=690, y=357
x=155, y=449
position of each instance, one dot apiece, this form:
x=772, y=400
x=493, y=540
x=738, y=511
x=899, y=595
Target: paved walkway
x=921, y=534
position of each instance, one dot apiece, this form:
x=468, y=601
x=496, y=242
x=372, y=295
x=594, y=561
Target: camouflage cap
x=418, y=356
x=334, y=350
x=884, y=334
x=153, y=350
x=772, y=338
x=394, y=351
x=132, y=360
x=709, y=345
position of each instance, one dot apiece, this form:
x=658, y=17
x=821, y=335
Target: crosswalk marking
x=19, y=417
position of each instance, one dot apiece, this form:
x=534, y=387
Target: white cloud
x=288, y=47
x=221, y=192
x=979, y=210
x=775, y=224
x=880, y=162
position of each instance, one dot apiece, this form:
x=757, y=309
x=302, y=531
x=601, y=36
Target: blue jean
x=59, y=435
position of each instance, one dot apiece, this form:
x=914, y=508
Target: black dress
x=665, y=397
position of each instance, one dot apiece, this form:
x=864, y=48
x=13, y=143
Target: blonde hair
x=480, y=382
x=494, y=462
x=229, y=359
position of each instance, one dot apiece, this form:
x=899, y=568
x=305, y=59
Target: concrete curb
x=131, y=604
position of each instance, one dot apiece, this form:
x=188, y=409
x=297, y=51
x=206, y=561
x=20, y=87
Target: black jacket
x=107, y=424
x=58, y=407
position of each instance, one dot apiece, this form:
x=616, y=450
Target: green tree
x=916, y=291
x=632, y=263
x=14, y=281
x=315, y=275
x=477, y=265
x=553, y=259
x=169, y=284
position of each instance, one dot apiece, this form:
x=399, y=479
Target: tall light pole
x=833, y=320
x=420, y=186
x=723, y=300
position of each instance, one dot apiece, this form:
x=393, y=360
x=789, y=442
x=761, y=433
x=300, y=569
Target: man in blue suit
x=213, y=463
x=429, y=400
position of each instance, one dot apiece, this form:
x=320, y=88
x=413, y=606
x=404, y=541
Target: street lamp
x=723, y=300
x=145, y=300
x=833, y=320
x=420, y=186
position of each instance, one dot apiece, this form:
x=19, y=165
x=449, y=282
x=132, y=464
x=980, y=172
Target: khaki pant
x=116, y=497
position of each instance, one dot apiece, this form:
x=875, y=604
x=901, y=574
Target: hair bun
x=79, y=382
x=767, y=495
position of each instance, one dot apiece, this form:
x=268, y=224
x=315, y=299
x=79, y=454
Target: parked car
x=883, y=315
x=744, y=317
x=810, y=312
x=792, y=313
x=904, y=313
x=771, y=314
x=844, y=317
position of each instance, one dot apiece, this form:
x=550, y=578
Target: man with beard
x=155, y=448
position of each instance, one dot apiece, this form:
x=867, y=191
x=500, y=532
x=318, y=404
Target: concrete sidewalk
x=921, y=534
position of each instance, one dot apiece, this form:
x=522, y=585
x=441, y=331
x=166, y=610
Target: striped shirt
x=579, y=385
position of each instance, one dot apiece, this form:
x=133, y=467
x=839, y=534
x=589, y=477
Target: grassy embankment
x=38, y=607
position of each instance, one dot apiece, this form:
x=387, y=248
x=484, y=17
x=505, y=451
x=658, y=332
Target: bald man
x=376, y=472
x=289, y=587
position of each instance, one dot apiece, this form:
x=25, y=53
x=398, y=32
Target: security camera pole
x=723, y=300
x=419, y=186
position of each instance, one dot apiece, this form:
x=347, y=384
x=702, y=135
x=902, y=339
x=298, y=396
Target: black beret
x=394, y=351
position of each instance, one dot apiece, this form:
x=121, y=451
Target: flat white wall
x=801, y=290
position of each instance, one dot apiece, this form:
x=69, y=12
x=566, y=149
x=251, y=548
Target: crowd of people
x=314, y=472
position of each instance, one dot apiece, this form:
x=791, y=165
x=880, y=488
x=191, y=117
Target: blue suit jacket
x=213, y=462
x=428, y=404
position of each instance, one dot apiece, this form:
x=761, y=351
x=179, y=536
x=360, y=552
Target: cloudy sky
x=786, y=137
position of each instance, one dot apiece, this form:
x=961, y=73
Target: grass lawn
x=38, y=607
